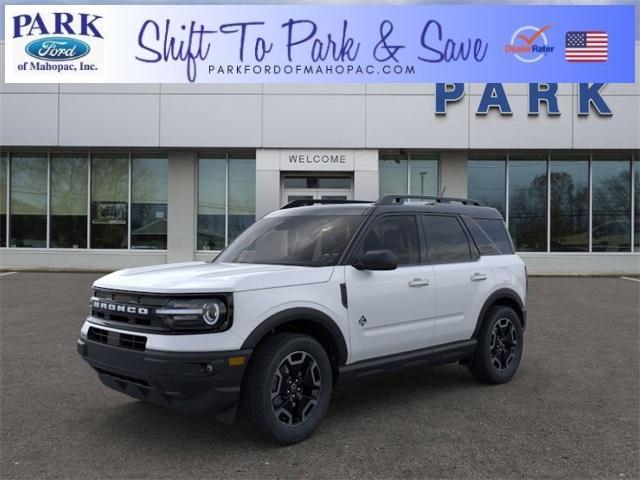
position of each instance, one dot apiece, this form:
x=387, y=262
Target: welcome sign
x=327, y=44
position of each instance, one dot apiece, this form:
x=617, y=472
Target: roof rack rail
x=302, y=202
x=400, y=199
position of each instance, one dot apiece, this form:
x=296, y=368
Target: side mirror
x=377, y=260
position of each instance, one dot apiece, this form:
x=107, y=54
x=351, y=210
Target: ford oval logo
x=57, y=49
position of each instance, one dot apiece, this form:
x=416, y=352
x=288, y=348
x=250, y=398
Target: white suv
x=309, y=296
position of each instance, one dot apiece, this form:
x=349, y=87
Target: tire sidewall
x=286, y=433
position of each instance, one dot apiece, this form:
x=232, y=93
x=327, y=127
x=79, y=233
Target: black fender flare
x=495, y=297
x=300, y=314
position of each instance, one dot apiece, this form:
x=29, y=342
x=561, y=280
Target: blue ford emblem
x=57, y=49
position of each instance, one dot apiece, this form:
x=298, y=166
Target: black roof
x=392, y=203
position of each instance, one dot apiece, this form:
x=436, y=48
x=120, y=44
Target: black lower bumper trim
x=193, y=382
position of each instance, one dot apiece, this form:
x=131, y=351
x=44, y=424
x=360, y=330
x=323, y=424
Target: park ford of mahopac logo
x=56, y=40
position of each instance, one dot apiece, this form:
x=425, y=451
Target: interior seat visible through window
x=397, y=234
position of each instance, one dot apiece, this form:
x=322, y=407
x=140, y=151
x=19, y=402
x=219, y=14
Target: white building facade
x=108, y=176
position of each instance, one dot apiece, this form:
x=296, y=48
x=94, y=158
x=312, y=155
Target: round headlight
x=213, y=312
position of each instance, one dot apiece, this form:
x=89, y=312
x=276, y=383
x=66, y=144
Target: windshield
x=305, y=240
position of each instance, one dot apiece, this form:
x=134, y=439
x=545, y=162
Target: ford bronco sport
x=309, y=296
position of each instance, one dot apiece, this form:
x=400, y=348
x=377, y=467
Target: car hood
x=196, y=277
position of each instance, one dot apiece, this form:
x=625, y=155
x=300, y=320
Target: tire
x=500, y=346
x=297, y=369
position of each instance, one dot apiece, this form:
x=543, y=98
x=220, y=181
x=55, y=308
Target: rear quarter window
x=485, y=245
x=497, y=232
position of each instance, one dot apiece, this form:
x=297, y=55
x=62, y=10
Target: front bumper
x=204, y=383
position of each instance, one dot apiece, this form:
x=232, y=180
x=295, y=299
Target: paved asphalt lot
x=571, y=412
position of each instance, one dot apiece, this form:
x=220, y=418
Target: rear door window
x=446, y=240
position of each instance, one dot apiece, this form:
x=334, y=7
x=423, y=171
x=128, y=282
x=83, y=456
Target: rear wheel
x=500, y=346
x=287, y=388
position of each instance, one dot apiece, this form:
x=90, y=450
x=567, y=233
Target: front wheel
x=500, y=346
x=287, y=388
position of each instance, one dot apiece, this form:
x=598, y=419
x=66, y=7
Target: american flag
x=586, y=47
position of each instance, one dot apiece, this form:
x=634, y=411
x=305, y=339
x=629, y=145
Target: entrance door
x=316, y=188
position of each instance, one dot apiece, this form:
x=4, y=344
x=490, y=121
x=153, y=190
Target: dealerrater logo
x=529, y=44
x=55, y=38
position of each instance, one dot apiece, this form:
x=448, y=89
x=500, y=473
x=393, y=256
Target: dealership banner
x=327, y=44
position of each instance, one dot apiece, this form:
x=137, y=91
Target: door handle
x=419, y=282
x=477, y=277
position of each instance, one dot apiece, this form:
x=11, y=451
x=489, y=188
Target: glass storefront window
x=423, y=175
x=28, y=209
x=216, y=199
x=569, y=220
x=393, y=173
x=109, y=197
x=4, y=162
x=149, y=196
x=242, y=195
x=68, y=209
x=528, y=202
x=611, y=184
x=416, y=172
x=486, y=179
x=212, y=174
x=636, y=189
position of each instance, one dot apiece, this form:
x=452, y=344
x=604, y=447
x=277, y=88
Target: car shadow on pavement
x=368, y=399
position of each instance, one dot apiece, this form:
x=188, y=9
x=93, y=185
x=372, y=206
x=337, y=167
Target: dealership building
x=105, y=176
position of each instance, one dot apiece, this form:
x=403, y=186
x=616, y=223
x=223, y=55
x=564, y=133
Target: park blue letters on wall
x=494, y=97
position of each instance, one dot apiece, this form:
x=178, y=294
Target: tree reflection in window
x=611, y=231
x=569, y=221
x=528, y=203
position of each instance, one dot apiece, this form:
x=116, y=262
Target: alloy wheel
x=296, y=388
x=504, y=344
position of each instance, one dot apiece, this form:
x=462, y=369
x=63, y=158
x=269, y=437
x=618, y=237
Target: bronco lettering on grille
x=114, y=307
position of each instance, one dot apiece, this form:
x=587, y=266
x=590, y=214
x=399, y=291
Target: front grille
x=128, y=310
x=98, y=335
x=133, y=342
x=117, y=339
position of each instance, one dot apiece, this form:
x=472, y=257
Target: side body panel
x=509, y=272
x=388, y=315
x=461, y=290
x=254, y=307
